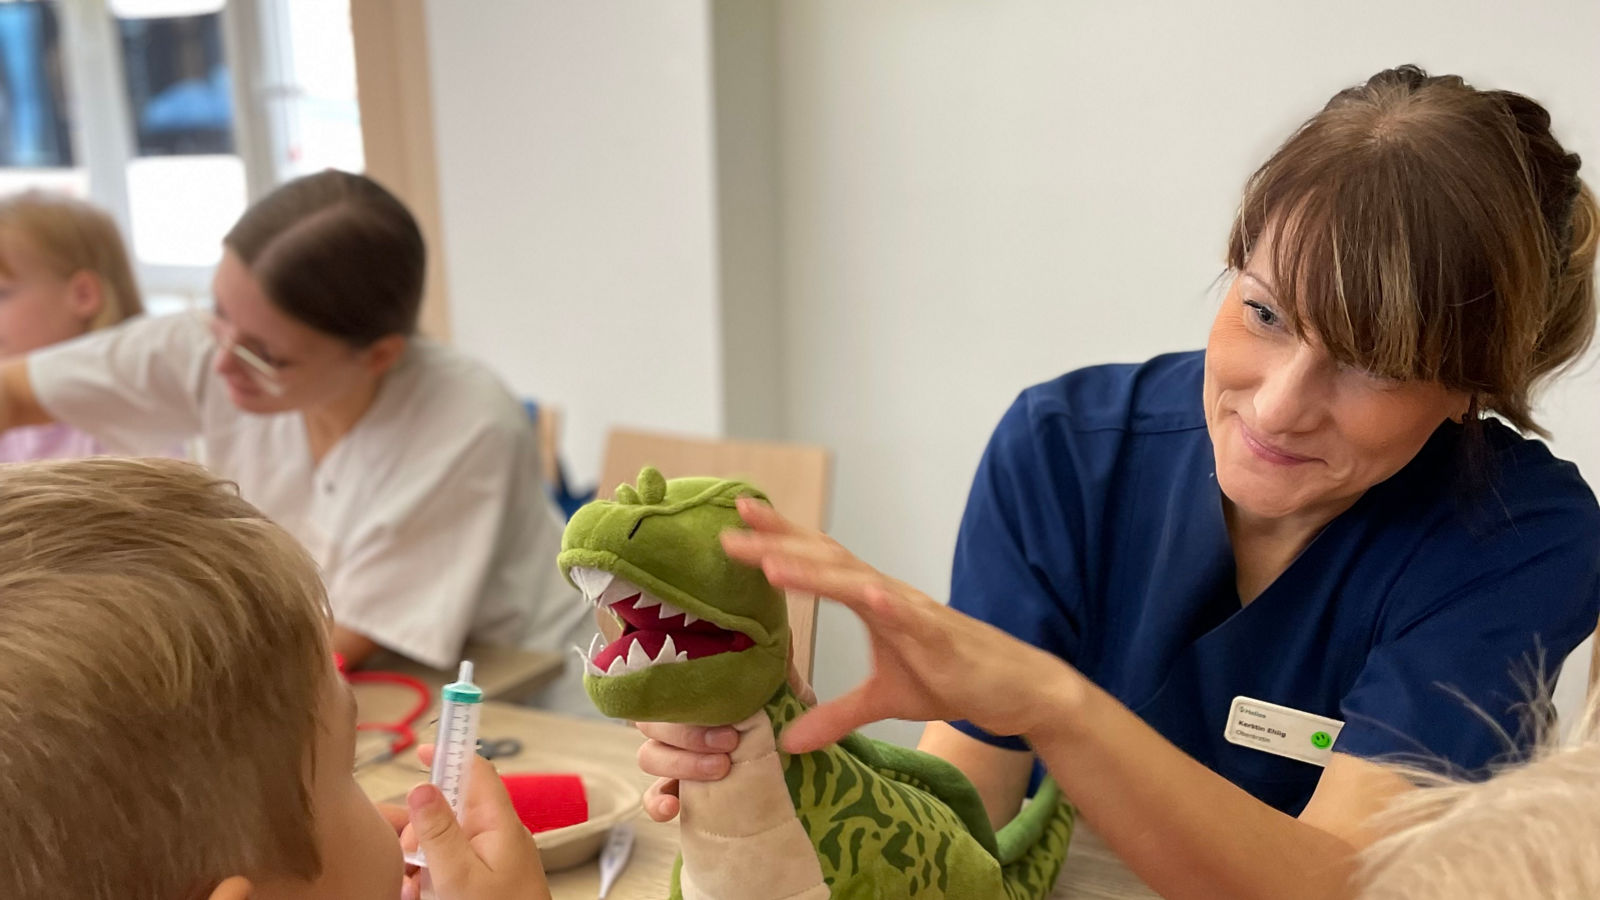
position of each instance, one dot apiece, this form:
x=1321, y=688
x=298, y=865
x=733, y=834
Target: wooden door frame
x=394, y=90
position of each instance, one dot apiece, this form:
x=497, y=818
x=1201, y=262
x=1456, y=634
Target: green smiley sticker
x=1322, y=740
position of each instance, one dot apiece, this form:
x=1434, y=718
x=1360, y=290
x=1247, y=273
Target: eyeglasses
x=264, y=374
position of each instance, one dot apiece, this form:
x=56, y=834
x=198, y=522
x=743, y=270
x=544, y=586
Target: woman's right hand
x=929, y=662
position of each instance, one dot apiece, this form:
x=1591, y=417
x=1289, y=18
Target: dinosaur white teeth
x=589, y=668
x=669, y=653
x=689, y=618
x=668, y=611
x=638, y=658
x=591, y=582
x=589, y=665
x=616, y=589
x=646, y=601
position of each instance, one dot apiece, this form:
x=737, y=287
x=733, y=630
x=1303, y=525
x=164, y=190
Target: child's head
x=171, y=723
x=1531, y=831
x=63, y=271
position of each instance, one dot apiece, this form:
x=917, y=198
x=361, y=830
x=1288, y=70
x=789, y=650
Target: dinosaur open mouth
x=654, y=632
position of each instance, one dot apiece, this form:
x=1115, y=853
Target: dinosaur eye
x=635, y=529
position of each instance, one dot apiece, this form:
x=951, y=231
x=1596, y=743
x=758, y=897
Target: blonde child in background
x=64, y=272
x=172, y=726
x=1532, y=831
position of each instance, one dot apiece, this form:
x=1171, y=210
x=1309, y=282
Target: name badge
x=1281, y=731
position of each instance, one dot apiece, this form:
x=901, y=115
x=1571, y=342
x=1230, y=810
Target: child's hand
x=488, y=855
x=398, y=817
x=682, y=752
x=693, y=753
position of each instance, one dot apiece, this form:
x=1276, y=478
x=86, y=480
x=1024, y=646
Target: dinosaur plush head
x=705, y=640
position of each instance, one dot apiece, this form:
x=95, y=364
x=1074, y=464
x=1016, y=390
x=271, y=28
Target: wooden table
x=1091, y=872
x=504, y=673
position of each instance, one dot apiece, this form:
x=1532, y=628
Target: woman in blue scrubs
x=1209, y=590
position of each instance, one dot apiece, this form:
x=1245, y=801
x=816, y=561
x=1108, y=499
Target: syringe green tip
x=462, y=690
x=455, y=746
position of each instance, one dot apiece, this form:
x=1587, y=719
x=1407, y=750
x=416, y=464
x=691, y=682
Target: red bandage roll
x=546, y=801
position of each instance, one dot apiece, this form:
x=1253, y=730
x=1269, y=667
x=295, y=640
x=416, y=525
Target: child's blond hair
x=72, y=236
x=163, y=649
x=1531, y=831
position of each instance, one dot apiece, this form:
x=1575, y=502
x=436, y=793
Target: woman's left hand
x=929, y=662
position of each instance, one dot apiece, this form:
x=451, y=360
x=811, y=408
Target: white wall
x=978, y=196
x=576, y=179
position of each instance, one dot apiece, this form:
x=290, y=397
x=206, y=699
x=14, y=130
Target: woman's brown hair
x=1423, y=229
x=337, y=252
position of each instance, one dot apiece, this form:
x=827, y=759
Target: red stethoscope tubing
x=405, y=737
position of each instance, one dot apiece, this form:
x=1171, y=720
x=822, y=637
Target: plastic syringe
x=459, y=705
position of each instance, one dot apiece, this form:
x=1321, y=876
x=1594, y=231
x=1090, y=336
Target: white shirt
x=428, y=518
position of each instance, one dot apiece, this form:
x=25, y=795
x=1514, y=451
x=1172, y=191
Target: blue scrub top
x=1094, y=530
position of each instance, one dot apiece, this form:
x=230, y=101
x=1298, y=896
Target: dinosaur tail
x=1034, y=844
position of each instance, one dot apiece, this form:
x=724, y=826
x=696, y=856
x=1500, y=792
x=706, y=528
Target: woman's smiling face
x=1295, y=431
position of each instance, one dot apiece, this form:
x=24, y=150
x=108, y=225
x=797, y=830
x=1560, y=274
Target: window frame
x=102, y=127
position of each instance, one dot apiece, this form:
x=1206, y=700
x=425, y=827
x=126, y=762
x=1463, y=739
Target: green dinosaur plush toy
x=705, y=641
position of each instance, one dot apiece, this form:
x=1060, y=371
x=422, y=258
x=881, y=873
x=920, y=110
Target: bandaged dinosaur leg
x=741, y=837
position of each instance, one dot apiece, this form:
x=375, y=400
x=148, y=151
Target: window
x=185, y=180
x=172, y=114
x=318, y=118
x=35, y=125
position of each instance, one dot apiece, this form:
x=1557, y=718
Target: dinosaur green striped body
x=704, y=642
x=888, y=822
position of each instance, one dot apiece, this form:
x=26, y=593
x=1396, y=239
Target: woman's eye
x=1262, y=313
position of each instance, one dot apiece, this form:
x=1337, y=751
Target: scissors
x=500, y=749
